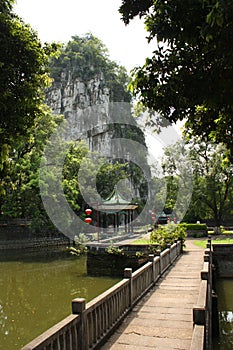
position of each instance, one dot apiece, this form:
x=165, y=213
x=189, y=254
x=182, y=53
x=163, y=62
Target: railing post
x=210, y=291
x=128, y=274
x=208, y=245
x=170, y=259
x=176, y=240
x=158, y=253
x=151, y=259
x=78, y=307
x=177, y=249
x=199, y=316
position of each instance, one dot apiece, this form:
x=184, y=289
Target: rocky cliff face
x=71, y=94
x=76, y=99
x=71, y=97
x=84, y=77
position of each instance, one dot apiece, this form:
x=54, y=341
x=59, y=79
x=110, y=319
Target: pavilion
x=116, y=211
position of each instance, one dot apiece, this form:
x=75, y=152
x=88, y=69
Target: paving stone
x=162, y=315
x=144, y=342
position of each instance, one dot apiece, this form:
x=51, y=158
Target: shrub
x=79, y=250
x=195, y=230
x=196, y=227
x=81, y=239
x=115, y=250
x=168, y=234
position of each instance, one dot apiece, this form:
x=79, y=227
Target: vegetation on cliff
x=86, y=57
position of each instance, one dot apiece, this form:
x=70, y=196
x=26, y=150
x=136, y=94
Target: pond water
x=36, y=290
x=224, y=289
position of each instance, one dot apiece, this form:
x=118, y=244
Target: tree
x=212, y=191
x=21, y=181
x=213, y=181
x=177, y=171
x=23, y=76
x=190, y=73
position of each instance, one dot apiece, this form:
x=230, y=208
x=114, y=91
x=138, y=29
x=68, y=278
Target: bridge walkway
x=163, y=319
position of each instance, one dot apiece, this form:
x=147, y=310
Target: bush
x=192, y=227
x=115, y=250
x=168, y=234
x=80, y=247
x=195, y=230
x=79, y=250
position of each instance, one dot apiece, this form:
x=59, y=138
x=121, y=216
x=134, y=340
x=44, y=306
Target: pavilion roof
x=116, y=202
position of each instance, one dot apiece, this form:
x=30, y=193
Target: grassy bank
x=219, y=240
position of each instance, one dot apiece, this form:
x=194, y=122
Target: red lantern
x=88, y=220
x=88, y=211
x=152, y=216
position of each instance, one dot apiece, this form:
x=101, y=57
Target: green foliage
x=26, y=123
x=81, y=238
x=190, y=74
x=196, y=227
x=213, y=181
x=167, y=234
x=141, y=241
x=21, y=182
x=115, y=251
x=85, y=58
x=172, y=183
x=77, y=153
x=98, y=174
x=79, y=250
x=227, y=232
x=23, y=77
x=203, y=243
x=177, y=171
x=139, y=254
x=109, y=175
x=211, y=175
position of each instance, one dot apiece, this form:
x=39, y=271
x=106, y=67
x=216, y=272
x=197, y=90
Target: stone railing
x=202, y=312
x=91, y=324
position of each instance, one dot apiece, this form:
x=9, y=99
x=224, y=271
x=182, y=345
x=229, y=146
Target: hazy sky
x=58, y=20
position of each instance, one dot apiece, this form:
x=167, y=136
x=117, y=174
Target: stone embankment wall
x=223, y=259
x=102, y=263
x=19, y=235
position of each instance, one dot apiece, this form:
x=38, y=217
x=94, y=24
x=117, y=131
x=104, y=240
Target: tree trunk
x=217, y=230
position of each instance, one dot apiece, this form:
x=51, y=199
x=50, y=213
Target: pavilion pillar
x=131, y=220
x=105, y=220
x=128, y=220
x=115, y=222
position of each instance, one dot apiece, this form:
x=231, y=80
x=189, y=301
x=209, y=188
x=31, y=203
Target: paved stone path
x=163, y=318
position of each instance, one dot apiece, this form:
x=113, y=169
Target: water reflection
x=36, y=292
x=224, y=289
